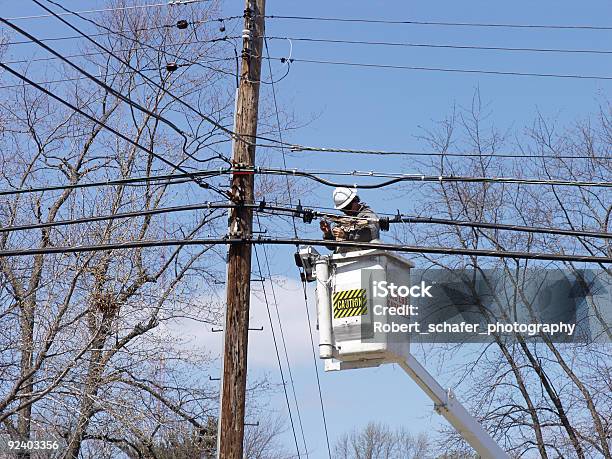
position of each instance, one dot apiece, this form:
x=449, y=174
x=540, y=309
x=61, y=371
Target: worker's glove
x=324, y=225
x=339, y=234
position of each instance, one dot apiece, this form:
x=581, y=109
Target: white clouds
x=262, y=354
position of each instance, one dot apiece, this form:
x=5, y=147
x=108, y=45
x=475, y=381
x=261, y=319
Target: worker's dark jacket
x=362, y=227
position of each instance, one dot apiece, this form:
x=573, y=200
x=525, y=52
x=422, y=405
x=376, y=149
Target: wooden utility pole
x=231, y=422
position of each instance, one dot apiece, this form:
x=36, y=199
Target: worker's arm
x=365, y=232
x=327, y=233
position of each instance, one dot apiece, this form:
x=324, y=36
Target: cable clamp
x=383, y=222
x=308, y=216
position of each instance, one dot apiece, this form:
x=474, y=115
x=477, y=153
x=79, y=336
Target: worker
x=360, y=223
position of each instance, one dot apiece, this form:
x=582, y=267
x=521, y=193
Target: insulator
x=384, y=223
x=307, y=216
x=298, y=260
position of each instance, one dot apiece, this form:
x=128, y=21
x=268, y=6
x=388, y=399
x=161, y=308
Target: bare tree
x=379, y=441
x=89, y=349
x=541, y=398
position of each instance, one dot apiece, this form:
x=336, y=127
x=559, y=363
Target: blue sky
x=384, y=109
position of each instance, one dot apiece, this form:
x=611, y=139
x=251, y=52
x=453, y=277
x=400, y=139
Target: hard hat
x=343, y=197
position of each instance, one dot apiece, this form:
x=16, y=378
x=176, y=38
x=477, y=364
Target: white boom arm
x=448, y=406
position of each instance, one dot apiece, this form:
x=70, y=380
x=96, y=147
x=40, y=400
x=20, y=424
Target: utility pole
x=233, y=390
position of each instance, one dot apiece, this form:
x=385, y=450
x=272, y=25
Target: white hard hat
x=343, y=197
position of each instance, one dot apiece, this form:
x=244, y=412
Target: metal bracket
x=217, y=330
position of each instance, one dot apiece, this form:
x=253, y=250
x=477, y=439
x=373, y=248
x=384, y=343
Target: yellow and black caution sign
x=350, y=303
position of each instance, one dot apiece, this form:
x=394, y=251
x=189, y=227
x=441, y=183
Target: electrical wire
x=114, y=32
x=274, y=210
x=278, y=359
x=117, y=216
x=170, y=179
x=134, y=40
x=282, y=335
x=99, y=82
x=315, y=175
x=104, y=10
x=136, y=48
x=205, y=117
x=396, y=178
x=445, y=23
x=401, y=218
x=443, y=46
x=110, y=129
x=450, y=70
x=298, y=148
x=314, y=242
x=105, y=86
x=314, y=359
x=145, y=69
x=504, y=227
x=280, y=136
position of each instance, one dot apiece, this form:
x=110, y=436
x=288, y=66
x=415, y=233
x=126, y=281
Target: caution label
x=350, y=303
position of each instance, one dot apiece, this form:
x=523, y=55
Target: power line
x=396, y=178
x=504, y=227
x=282, y=147
x=310, y=174
x=280, y=366
x=105, y=10
x=308, y=212
x=444, y=23
x=45, y=39
x=145, y=69
x=110, y=129
x=116, y=216
x=207, y=118
x=99, y=82
x=314, y=360
x=282, y=334
x=314, y=242
x=449, y=70
x=298, y=148
x=305, y=213
x=170, y=179
x=71, y=56
x=114, y=32
x=131, y=38
x=443, y=46
x=295, y=233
